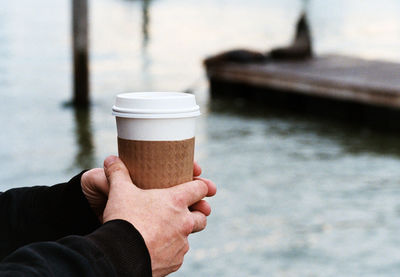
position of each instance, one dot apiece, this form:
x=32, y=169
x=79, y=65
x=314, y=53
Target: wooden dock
x=339, y=78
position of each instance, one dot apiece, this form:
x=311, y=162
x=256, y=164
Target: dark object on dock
x=242, y=56
x=301, y=48
x=330, y=84
x=80, y=45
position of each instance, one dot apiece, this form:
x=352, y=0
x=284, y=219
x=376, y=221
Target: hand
x=162, y=216
x=95, y=187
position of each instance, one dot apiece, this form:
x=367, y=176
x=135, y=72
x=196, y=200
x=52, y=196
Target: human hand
x=95, y=187
x=162, y=216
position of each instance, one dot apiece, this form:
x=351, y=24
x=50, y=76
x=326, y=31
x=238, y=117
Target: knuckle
x=93, y=174
x=203, y=223
x=86, y=176
x=186, y=247
x=187, y=225
x=115, y=167
x=177, y=266
x=96, y=171
x=202, y=187
x=178, y=199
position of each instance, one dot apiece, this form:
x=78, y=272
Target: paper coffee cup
x=156, y=133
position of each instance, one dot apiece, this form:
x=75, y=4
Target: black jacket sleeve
x=116, y=249
x=52, y=231
x=44, y=214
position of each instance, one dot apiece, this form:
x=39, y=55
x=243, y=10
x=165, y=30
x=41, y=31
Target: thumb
x=115, y=170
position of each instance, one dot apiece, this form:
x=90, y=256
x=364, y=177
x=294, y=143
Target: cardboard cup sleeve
x=158, y=164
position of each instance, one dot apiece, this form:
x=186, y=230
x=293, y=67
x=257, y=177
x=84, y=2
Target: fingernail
x=109, y=161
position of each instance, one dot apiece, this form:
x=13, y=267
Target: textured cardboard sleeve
x=158, y=164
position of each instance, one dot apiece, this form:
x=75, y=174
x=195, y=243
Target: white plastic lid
x=155, y=105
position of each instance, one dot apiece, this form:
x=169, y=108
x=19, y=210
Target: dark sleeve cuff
x=124, y=247
x=70, y=212
x=42, y=213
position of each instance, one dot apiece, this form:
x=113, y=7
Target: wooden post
x=145, y=22
x=80, y=44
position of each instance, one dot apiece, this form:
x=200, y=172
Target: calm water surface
x=298, y=195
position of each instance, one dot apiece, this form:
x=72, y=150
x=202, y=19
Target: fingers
x=201, y=206
x=200, y=221
x=212, y=188
x=115, y=171
x=189, y=193
x=97, y=180
x=196, y=169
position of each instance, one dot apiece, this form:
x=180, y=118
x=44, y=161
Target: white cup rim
x=155, y=105
x=158, y=116
x=156, y=113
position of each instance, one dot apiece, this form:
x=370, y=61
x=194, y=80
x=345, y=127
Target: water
x=298, y=195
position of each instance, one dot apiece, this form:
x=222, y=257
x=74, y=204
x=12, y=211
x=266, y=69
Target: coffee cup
x=156, y=136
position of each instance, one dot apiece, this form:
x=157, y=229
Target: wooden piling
x=80, y=45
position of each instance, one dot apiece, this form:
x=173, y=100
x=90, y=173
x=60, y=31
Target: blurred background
x=298, y=195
